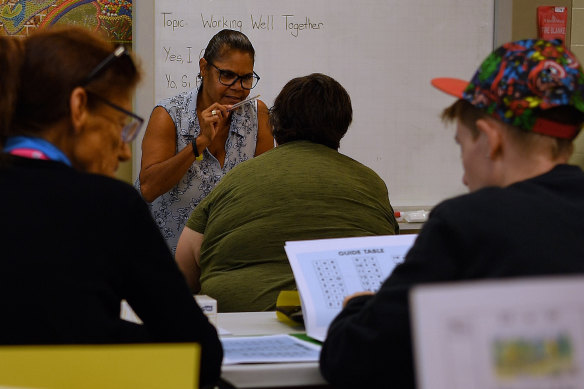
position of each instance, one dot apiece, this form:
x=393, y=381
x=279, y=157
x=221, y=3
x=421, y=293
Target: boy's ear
x=492, y=132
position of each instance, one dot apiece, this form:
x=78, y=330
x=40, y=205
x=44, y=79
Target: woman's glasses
x=228, y=78
x=134, y=122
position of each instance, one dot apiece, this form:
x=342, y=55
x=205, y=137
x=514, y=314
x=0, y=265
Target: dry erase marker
x=412, y=216
x=237, y=105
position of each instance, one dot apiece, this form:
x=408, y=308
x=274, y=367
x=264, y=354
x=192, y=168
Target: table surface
x=264, y=375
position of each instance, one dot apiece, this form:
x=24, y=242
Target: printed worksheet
x=505, y=334
x=328, y=270
x=268, y=349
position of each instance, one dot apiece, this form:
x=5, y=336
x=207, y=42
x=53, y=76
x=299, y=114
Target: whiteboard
x=383, y=52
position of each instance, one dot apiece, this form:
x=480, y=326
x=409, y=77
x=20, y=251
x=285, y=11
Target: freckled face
x=236, y=61
x=100, y=147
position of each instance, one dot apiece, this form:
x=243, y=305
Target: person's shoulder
x=262, y=106
x=482, y=204
x=359, y=167
x=107, y=189
x=559, y=175
x=183, y=98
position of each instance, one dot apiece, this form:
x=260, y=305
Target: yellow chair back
x=123, y=366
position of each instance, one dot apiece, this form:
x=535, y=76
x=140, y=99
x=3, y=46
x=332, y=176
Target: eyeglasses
x=228, y=78
x=133, y=122
x=118, y=52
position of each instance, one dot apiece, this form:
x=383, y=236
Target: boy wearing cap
x=516, y=120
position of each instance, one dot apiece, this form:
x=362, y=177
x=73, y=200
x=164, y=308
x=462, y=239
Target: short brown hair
x=315, y=108
x=51, y=63
x=468, y=115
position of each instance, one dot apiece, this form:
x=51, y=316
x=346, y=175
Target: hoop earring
x=199, y=81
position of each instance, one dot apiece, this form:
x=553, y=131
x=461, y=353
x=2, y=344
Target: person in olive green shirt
x=232, y=248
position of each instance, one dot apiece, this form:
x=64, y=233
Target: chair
x=513, y=333
x=127, y=366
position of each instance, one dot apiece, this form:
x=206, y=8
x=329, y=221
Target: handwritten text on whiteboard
x=292, y=24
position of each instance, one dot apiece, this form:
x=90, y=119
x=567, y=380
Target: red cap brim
x=452, y=86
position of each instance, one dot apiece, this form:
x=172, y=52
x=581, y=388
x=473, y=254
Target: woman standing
x=193, y=139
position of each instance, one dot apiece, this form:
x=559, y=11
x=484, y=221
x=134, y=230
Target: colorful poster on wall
x=113, y=18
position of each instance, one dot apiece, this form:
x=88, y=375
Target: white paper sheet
x=268, y=349
x=327, y=270
x=511, y=334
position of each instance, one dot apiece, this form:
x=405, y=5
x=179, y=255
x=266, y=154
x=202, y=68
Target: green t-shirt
x=297, y=191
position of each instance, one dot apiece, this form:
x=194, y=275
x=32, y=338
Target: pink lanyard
x=29, y=153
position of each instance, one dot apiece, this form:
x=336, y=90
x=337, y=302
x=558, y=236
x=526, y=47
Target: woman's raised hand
x=211, y=120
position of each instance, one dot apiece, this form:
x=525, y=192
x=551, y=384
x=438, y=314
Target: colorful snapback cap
x=519, y=80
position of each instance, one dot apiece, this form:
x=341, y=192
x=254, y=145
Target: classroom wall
x=524, y=22
x=513, y=20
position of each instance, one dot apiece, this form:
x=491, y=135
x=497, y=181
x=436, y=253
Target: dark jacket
x=73, y=246
x=531, y=228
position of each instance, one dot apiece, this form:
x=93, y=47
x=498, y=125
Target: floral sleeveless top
x=172, y=210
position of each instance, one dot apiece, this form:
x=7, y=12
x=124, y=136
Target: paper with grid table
x=268, y=349
x=328, y=270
